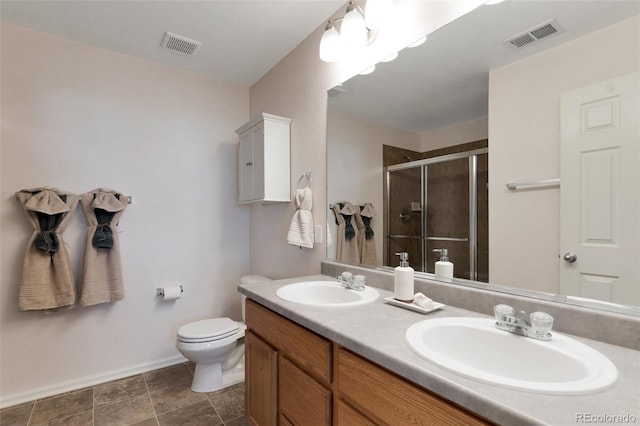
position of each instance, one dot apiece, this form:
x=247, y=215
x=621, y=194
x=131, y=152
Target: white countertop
x=376, y=331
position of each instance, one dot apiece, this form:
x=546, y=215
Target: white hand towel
x=301, y=228
x=422, y=301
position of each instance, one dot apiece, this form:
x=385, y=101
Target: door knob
x=570, y=257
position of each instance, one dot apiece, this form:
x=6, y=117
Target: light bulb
x=377, y=13
x=330, y=44
x=353, y=30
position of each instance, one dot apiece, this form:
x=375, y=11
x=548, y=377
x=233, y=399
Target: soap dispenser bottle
x=403, y=279
x=444, y=268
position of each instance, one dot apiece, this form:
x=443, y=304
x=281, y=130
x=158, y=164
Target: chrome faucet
x=539, y=326
x=350, y=281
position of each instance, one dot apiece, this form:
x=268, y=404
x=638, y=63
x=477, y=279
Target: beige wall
x=296, y=88
x=524, y=137
x=468, y=131
x=77, y=117
x=355, y=153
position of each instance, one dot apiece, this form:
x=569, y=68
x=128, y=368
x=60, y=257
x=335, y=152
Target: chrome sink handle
x=351, y=282
x=346, y=279
x=539, y=328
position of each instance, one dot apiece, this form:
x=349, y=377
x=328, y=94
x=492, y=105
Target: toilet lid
x=207, y=330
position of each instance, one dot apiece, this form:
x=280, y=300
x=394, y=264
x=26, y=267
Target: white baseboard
x=83, y=382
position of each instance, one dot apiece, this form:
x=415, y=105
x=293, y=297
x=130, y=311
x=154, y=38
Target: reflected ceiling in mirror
x=446, y=82
x=453, y=65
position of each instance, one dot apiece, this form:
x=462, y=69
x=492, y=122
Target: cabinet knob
x=249, y=164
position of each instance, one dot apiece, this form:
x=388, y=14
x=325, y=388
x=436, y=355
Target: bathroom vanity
x=328, y=365
x=294, y=376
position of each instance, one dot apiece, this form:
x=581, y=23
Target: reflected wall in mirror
x=466, y=84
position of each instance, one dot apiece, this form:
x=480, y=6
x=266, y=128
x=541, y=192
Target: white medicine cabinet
x=263, y=160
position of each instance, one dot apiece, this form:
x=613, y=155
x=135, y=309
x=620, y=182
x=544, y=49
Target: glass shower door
x=404, y=216
x=447, y=219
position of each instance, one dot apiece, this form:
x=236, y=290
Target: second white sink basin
x=326, y=294
x=475, y=348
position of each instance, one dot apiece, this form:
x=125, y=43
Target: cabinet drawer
x=305, y=348
x=303, y=401
x=347, y=416
x=389, y=399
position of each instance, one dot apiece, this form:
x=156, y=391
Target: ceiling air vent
x=534, y=34
x=180, y=44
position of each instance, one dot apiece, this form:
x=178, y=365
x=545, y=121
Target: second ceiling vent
x=180, y=44
x=534, y=34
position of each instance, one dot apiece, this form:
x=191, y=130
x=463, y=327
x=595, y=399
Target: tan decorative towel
x=102, y=273
x=301, y=228
x=366, y=242
x=47, y=278
x=346, y=243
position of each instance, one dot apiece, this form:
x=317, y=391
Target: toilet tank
x=249, y=279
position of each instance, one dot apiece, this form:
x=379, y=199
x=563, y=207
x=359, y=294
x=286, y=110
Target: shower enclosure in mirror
x=439, y=203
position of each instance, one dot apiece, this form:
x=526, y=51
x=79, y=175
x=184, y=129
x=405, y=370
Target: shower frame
x=472, y=155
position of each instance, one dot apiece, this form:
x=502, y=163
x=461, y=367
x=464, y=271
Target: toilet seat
x=208, y=330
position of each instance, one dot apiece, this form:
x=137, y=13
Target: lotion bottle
x=403, y=279
x=444, y=268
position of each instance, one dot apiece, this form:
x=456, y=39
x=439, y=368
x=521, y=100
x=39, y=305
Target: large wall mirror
x=516, y=124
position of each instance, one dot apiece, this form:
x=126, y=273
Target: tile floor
x=160, y=397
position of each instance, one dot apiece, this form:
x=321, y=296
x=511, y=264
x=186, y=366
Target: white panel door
x=600, y=191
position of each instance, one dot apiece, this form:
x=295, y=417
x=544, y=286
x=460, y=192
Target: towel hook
x=306, y=175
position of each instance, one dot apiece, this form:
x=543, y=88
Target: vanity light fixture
x=357, y=29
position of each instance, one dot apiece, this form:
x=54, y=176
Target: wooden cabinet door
x=303, y=401
x=261, y=381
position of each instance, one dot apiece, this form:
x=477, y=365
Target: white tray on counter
x=413, y=306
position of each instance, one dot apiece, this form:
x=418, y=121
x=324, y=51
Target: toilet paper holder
x=160, y=291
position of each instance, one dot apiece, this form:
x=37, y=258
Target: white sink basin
x=325, y=293
x=475, y=348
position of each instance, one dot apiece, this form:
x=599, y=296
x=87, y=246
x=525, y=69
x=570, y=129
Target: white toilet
x=212, y=344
